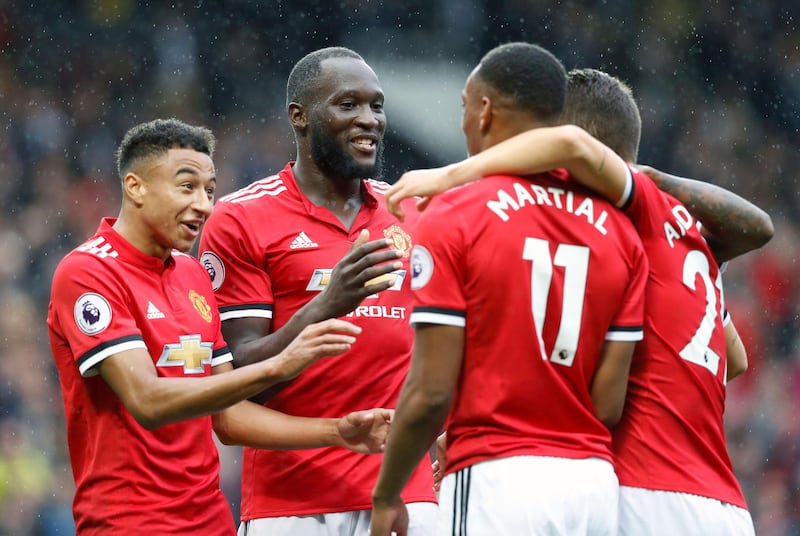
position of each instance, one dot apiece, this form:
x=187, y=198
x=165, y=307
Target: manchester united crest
x=200, y=305
x=400, y=239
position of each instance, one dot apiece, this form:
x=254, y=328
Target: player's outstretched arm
x=253, y=425
x=732, y=225
x=154, y=401
x=535, y=151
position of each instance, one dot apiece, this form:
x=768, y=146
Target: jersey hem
x=316, y=511
x=667, y=489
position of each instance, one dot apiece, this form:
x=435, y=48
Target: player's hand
x=388, y=518
x=322, y=339
x=651, y=172
x=365, y=431
x=363, y=271
x=424, y=183
x=440, y=463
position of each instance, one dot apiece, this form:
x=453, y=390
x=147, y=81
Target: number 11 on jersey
x=575, y=261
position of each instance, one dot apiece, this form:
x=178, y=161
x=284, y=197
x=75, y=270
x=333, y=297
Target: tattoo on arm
x=735, y=225
x=603, y=161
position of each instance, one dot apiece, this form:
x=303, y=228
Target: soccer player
x=293, y=248
x=135, y=335
x=675, y=472
x=528, y=303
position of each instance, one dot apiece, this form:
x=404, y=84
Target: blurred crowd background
x=718, y=83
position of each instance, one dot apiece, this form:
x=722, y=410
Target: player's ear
x=298, y=116
x=485, y=117
x=134, y=188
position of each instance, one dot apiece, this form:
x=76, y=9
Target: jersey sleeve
x=239, y=279
x=646, y=206
x=437, y=271
x=629, y=320
x=92, y=312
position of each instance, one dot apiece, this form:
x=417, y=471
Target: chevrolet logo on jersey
x=321, y=278
x=191, y=354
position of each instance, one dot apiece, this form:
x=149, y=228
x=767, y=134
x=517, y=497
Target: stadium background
x=718, y=84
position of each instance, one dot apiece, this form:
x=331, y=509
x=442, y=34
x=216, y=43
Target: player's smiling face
x=176, y=199
x=348, y=122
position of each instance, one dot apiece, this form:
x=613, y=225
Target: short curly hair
x=529, y=76
x=159, y=136
x=605, y=108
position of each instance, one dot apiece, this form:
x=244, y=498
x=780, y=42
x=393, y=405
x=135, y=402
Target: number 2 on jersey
x=697, y=350
x=575, y=261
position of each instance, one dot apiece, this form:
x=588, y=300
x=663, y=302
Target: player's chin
x=184, y=245
x=185, y=239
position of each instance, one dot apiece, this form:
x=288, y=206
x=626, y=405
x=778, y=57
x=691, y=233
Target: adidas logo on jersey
x=303, y=241
x=153, y=312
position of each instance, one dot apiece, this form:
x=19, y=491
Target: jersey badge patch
x=92, y=313
x=191, y=354
x=214, y=267
x=421, y=267
x=400, y=239
x=200, y=305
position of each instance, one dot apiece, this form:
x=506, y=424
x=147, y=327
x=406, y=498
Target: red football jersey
x=108, y=297
x=270, y=250
x=540, y=274
x=671, y=436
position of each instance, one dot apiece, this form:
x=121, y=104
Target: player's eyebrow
x=189, y=170
x=193, y=172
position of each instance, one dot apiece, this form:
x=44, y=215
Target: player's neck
x=136, y=235
x=342, y=197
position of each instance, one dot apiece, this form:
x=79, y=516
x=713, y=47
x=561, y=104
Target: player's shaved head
x=302, y=79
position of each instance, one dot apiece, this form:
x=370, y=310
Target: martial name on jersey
x=537, y=195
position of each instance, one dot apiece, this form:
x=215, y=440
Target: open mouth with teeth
x=364, y=143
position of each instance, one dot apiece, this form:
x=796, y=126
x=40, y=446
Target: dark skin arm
x=610, y=382
x=420, y=414
x=250, y=339
x=353, y=279
x=732, y=225
x=736, y=352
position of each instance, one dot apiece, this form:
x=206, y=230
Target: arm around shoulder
x=732, y=225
